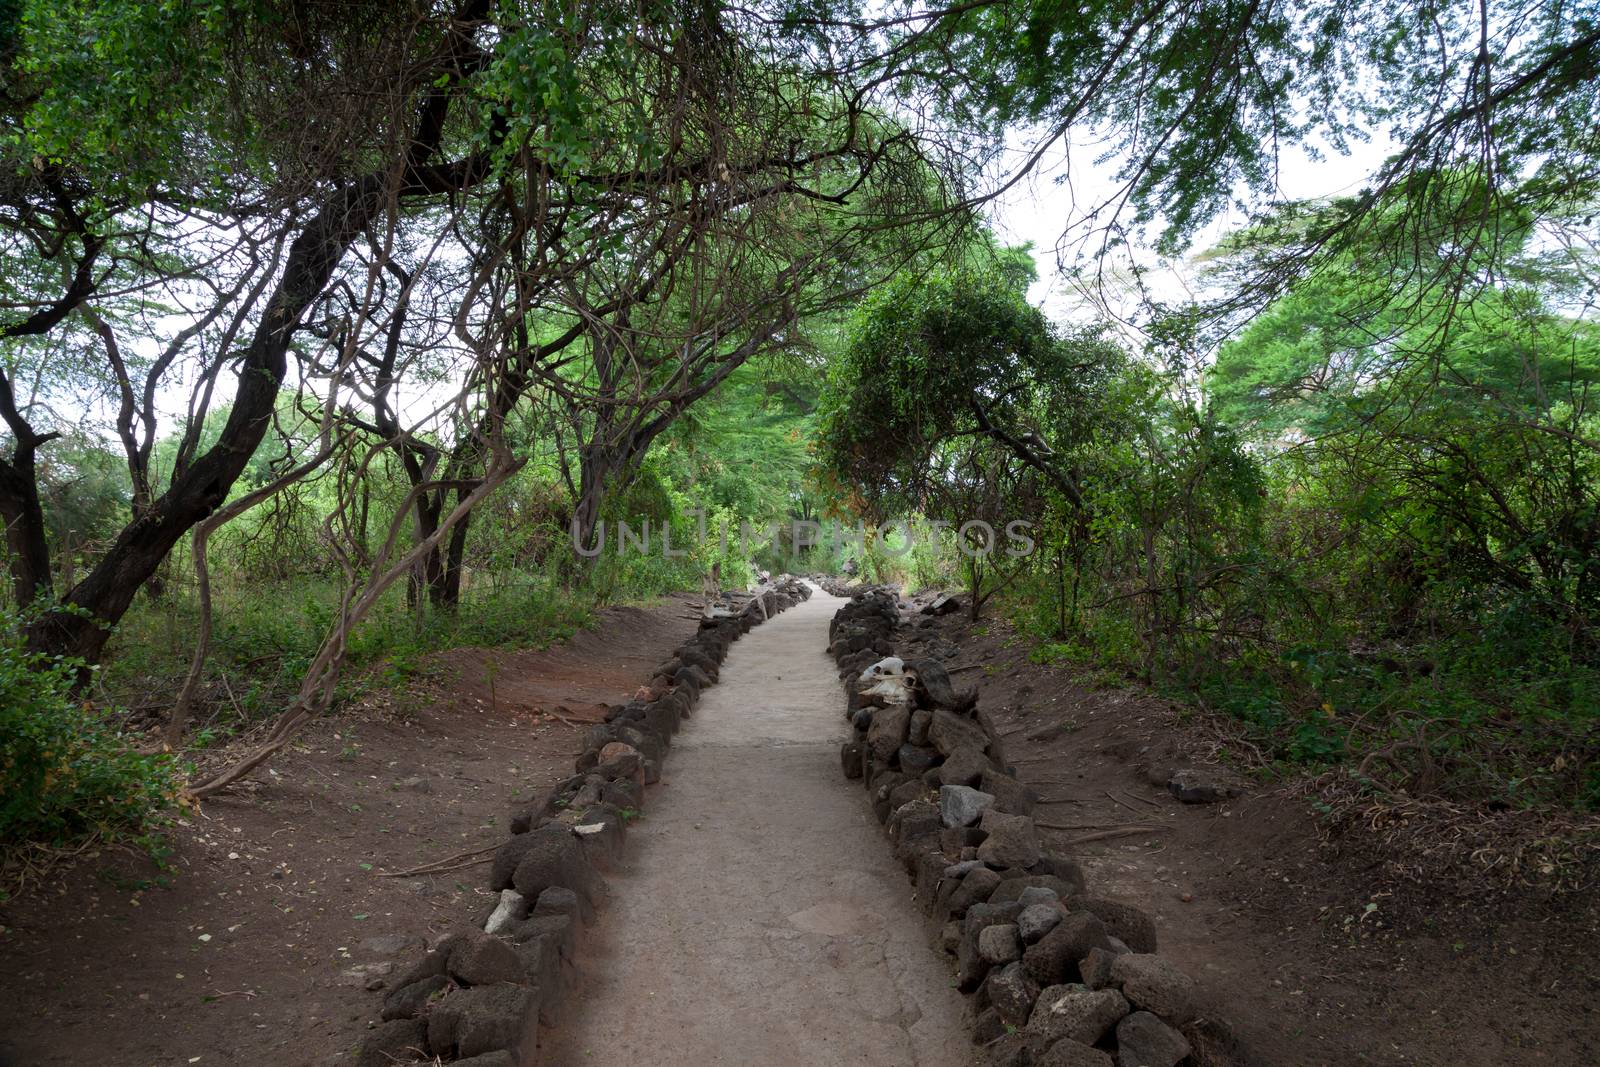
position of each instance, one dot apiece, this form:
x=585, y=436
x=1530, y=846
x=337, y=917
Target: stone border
x=479, y=996
x=1059, y=977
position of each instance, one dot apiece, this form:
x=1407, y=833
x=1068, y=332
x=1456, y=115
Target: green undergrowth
x=70, y=771
x=265, y=638
x=1474, y=722
x=67, y=772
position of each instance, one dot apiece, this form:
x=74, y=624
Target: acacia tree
x=1192, y=104
x=380, y=86
x=954, y=394
x=657, y=225
x=1457, y=458
x=728, y=190
x=955, y=356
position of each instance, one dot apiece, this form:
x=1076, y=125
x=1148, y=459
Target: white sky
x=1038, y=209
x=1043, y=206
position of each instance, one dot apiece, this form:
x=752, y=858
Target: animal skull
x=887, y=683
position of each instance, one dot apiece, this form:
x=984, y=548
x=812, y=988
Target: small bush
x=65, y=771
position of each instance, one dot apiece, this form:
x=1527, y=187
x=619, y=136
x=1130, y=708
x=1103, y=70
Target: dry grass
x=1477, y=852
x=1472, y=852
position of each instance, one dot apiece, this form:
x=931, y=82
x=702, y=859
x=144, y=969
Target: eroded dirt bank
x=1317, y=957
x=278, y=916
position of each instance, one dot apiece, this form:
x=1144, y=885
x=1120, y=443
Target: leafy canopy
x=956, y=355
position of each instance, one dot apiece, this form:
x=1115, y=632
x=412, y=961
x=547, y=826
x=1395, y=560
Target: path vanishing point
x=759, y=918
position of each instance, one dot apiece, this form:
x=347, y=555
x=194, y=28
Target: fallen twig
x=1117, y=800
x=1121, y=831
x=450, y=867
x=441, y=865
x=557, y=715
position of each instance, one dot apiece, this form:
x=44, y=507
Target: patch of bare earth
x=1316, y=954
x=279, y=918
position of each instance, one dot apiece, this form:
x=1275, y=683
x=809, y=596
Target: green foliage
x=266, y=635
x=956, y=399
x=1195, y=102
x=1390, y=563
x=84, y=491
x=934, y=361
x=1375, y=541
x=1373, y=536
x=66, y=772
x=1439, y=493
x=112, y=88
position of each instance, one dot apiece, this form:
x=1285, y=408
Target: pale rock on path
x=761, y=918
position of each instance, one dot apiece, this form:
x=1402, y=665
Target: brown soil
x=1311, y=956
x=277, y=916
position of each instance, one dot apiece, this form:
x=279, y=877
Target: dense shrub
x=66, y=772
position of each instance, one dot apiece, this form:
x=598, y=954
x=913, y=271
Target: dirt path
x=761, y=918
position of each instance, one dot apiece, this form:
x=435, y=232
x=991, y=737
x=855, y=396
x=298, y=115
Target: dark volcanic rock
x=850, y=758
x=1156, y=985
x=1145, y=1041
x=1015, y=887
x=1070, y=1053
x=1037, y=920
x=905, y=793
x=933, y=684
x=1095, y=968
x=553, y=858
x=1053, y=959
x=481, y=959
x=1012, y=993
x=1000, y=945
x=409, y=1001
x=470, y=1022
x=1010, y=795
x=435, y=961
x=1076, y=1012
x=915, y=759
x=1124, y=922
x=973, y=888
x=961, y=805
x=964, y=766
x=397, y=1041
x=888, y=731
x=949, y=732
x=1010, y=840
x=488, y=1059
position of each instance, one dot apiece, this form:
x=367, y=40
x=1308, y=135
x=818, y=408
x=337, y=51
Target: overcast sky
x=1071, y=181
x=1039, y=209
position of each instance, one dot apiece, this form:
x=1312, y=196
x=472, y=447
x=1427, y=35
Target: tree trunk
x=424, y=576
x=593, y=466
x=438, y=572
x=92, y=607
x=448, y=594
x=444, y=589
x=103, y=596
x=23, y=515
x=316, y=689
